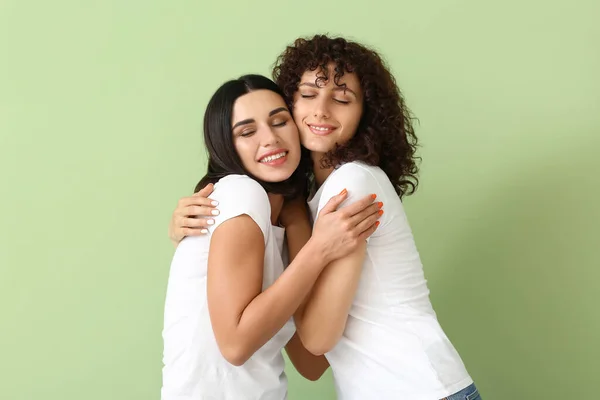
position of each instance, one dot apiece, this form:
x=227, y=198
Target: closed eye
x=341, y=101
x=280, y=124
x=308, y=96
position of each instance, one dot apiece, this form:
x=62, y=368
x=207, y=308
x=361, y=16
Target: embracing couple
x=296, y=239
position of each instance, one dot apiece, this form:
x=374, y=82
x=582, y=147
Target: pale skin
x=243, y=316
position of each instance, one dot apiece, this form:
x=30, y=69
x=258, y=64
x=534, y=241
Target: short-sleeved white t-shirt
x=393, y=346
x=193, y=365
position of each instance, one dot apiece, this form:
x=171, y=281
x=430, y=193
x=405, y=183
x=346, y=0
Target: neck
x=276, y=201
x=321, y=174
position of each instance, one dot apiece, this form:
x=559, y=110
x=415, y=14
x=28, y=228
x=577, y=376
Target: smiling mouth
x=273, y=157
x=321, y=130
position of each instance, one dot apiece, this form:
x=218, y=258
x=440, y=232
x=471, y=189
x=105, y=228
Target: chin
x=318, y=144
x=318, y=147
x=275, y=177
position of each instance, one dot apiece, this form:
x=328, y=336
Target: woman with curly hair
x=368, y=312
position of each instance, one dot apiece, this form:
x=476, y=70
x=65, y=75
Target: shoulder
x=239, y=185
x=241, y=195
x=358, y=173
x=234, y=189
x=358, y=178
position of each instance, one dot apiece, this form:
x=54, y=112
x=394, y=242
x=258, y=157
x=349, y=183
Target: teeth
x=319, y=128
x=273, y=157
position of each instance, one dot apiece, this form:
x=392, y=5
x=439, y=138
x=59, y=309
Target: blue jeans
x=468, y=393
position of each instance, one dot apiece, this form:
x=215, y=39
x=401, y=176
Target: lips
x=275, y=157
x=321, y=129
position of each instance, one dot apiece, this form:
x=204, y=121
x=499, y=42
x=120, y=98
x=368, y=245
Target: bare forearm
x=321, y=317
x=307, y=364
x=322, y=320
x=266, y=314
x=297, y=235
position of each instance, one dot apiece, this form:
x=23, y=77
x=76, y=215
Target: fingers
x=183, y=207
x=193, y=226
x=359, y=205
x=367, y=222
x=196, y=222
x=373, y=208
x=197, y=211
x=334, y=202
x=194, y=231
x=369, y=231
x=188, y=217
x=205, y=191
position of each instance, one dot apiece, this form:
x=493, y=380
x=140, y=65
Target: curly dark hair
x=385, y=135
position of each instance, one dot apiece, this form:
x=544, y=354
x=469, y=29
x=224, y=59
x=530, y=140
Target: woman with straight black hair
x=229, y=300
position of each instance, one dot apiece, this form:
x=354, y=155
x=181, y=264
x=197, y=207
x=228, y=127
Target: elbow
x=319, y=345
x=318, y=349
x=235, y=355
x=236, y=360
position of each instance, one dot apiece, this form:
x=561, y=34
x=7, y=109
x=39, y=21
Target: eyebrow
x=336, y=89
x=277, y=111
x=251, y=120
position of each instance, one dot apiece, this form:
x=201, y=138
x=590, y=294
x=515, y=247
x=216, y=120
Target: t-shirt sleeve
x=359, y=182
x=239, y=195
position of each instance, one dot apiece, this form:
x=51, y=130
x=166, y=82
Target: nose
x=321, y=110
x=269, y=137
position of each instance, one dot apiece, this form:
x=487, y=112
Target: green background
x=101, y=106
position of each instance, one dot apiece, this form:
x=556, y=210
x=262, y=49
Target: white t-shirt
x=393, y=346
x=194, y=368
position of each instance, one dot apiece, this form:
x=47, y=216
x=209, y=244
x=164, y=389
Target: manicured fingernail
x=214, y=203
x=203, y=231
x=373, y=196
x=376, y=224
x=380, y=204
x=215, y=212
x=344, y=191
x=380, y=212
x=210, y=222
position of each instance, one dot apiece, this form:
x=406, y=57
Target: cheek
x=291, y=136
x=351, y=119
x=299, y=110
x=245, y=153
x=354, y=115
x=296, y=114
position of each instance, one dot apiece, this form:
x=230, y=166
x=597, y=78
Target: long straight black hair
x=223, y=159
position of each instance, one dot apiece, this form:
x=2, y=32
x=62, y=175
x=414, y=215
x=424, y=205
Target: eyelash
x=304, y=96
x=279, y=125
